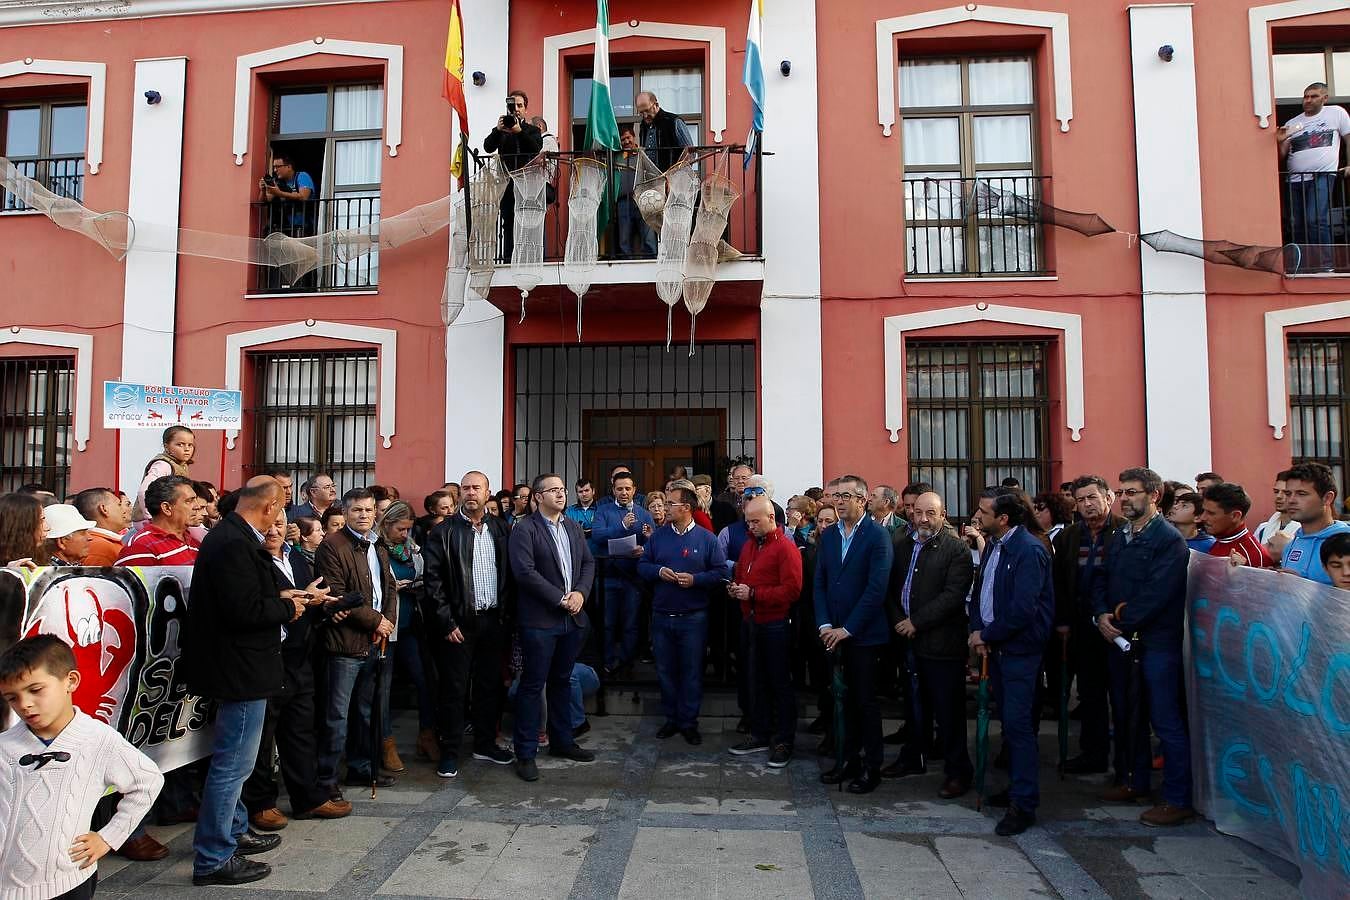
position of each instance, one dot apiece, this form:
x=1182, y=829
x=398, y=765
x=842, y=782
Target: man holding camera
x=517, y=142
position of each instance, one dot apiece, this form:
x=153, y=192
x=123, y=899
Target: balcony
x=336, y=270
x=1315, y=223
x=63, y=176
x=985, y=227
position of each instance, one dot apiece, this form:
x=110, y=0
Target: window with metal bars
x=1317, y=401
x=35, y=422
x=977, y=414
x=315, y=412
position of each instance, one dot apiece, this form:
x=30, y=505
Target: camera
x=510, y=120
x=270, y=180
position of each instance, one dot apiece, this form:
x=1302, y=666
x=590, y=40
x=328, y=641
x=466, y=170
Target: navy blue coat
x=539, y=580
x=1148, y=575
x=850, y=592
x=1024, y=596
x=608, y=525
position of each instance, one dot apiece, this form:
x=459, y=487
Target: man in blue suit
x=1011, y=613
x=853, y=566
x=554, y=571
x=623, y=595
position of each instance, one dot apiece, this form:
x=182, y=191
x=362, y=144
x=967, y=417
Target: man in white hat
x=67, y=535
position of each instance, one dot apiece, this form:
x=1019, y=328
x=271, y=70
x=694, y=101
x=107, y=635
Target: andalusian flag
x=753, y=77
x=453, y=88
x=602, y=129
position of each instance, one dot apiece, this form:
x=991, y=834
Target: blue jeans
x=1162, y=683
x=635, y=238
x=679, y=644
x=1015, y=677
x=406, y=654
x=584, y=683
x=773, y=703
x=351, y=686
x=623, y=605
x=1310, y=217
x=549, y=655
x=222, y=818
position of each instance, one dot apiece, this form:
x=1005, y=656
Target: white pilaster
x=475, y=369
x=1175, y=324
x=151, y=292
x=487, y=35
x=792, y=453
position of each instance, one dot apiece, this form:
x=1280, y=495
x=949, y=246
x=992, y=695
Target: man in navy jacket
x=853, y=566
x=554, y=571
x=623, y=598
x=1011, y=613
x=1146, y=563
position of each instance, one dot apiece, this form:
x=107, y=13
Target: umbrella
x=837, y=688
x=1063, y=702
x=1136, y=746
x=377, y=718
x=981, y=731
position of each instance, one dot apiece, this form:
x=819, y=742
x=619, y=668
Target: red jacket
x=773, y=570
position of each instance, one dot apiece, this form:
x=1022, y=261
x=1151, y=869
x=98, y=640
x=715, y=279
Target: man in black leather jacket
x=469, y=604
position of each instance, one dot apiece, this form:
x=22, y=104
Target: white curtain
x=677, y=90
x=1002, y=139
x=356, y=162
x=358, y=107
x=930, y=142
x=1000, y=81
x=930, y=82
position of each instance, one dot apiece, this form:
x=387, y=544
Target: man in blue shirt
x=583, y=511
x=1311, y=503
x=623, y=599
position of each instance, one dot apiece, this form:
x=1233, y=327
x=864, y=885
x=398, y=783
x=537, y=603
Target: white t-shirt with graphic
x=1315, y=141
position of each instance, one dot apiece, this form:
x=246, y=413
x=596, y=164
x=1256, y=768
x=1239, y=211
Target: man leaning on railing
x=1310, y=146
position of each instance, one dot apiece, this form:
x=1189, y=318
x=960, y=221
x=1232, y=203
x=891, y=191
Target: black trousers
x=83, y=891
x=862, y=709
x=289, y=726
x=473, y=665
x=942, y=691
x=1088, y=656
x=508, y=224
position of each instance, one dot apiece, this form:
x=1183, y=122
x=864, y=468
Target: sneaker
x=448, y=767
x=780, y=756
x=745, y=748
x=494, y=755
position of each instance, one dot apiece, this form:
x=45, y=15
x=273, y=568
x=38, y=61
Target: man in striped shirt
x=1224, y=516
x=165, y=541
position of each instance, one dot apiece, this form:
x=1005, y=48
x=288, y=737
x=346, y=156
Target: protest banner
x=1268, y=682
x=124, y=626
x=132, y=405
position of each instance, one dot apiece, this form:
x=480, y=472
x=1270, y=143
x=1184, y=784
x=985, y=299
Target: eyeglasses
x=1131, y=493
x=675, y=503
x=552, y=490
x=845, y=496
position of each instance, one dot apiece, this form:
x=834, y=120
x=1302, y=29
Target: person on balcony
x=664, y=136
x=1310, y=148
x=517, y=141
x=635, y=238
x=289, y=192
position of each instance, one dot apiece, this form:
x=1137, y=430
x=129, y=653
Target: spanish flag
x=453, y=89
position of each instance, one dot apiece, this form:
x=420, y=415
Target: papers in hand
x=623, y=546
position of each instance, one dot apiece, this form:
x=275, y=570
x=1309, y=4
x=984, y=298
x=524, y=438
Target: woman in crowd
x=801, y=520
x=333, y=519
x=1053, y=512
x=503, y=509
x=23, y=530
x=439, y=506
x=493, y=507
x=405, y=558
x=311, y=536
x=656, y=505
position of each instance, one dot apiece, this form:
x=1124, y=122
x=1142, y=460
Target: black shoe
x=743, y=725
x=494, y=755
x=691, y=735
x=867, y=782
x=581, y=729
x=1014, y=821
x=667, y=730
x=527, y=770
x=356, y=779
x=575, y=753
x=746, y=747
x=901, y=768
x=838, y=775
x=895, y=737
x=1001, y=800
x=236, y=871
x=780, y=756
x=825, y=747
x=817, y=726
x=1002, y=760
x=1083, y=765
x=250, y=842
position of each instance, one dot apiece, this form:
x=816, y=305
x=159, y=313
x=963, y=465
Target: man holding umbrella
x=1144, y=600
x=1010, y=620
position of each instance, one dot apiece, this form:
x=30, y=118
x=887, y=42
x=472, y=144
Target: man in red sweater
x=768, y=580
x=1224, y=516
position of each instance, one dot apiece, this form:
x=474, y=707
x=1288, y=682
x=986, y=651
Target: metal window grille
x=35, y=422
x=1317, y=402
x=977, y=414
x=582, y=410
x=315, y=411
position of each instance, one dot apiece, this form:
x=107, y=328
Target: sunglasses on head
x=753, y=492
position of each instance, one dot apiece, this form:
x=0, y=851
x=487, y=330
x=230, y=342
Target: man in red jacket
x=768, y=580
x=1224, y=516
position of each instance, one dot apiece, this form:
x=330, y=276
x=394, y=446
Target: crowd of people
x=304, y=611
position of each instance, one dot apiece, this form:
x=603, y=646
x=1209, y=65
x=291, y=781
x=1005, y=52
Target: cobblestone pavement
x=663, y=819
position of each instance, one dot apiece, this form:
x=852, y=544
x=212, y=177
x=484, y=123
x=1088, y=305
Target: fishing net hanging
x=700, y=259
x=486, y=188
x=527, y=248
x=583, y=242
x=676, y=220
x=456, y=269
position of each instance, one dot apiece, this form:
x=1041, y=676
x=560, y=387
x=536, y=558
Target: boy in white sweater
x=55, y=763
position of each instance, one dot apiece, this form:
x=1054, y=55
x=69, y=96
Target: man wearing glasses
x=853, y=565
x=321, y=493
x=683, y=562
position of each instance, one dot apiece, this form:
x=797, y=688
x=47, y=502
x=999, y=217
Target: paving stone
x=550, y=800
x=894, y=865
x=990, y=867
x=698, y=862
x=451, y=861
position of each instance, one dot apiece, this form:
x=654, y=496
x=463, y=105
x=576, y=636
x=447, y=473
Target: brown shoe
x=389, y=760
x=329, y=809
x=427, y=746
x=268, y=820
x=142, y=849
x=1165, y=815
x=953, y=788
x=1122, y=793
